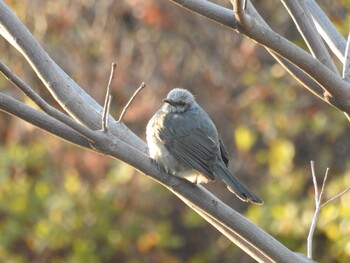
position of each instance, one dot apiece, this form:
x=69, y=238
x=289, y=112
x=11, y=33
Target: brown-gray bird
x=183, y=140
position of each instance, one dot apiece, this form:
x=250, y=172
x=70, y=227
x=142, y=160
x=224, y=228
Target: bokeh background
x=59, y=203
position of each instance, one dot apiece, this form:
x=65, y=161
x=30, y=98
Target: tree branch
x=108, y=98
x=327, y=30
x=303, y=21
x=250, y=249
x=346, y=64
x=336, y=91
x=27, y=90
x=130, y=100
x=209, y=10
x=304, y=79
x=41, y=120
x=319, y=205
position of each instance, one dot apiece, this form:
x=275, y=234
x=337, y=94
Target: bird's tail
x=235, y=186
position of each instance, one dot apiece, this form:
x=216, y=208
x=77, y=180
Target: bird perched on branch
x=184, y=142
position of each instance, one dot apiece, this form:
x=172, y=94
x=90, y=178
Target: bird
x=184, y=142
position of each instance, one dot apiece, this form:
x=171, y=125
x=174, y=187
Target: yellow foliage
x=332, y=231
x=41, y=189
x=280, y=157
x=244, y=138
x=72, y=182
x=42, y=228
x=19, y=204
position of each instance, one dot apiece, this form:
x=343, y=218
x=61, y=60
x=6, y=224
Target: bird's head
x=179, y=100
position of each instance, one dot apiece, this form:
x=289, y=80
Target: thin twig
x=317, y=211
x=108, y=98
x=105, y=113
x=131, y=99
x=336, y=197
x=323, y=185
x=314, y=180
x=318, y=198
x=319, y=205
x=239, y=7
x=311, y=232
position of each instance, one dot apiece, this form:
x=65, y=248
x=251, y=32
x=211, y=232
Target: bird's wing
x=224, y=154
x=191, y=146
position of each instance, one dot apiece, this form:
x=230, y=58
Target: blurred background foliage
x=59, y=203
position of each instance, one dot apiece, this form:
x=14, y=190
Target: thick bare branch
x=333, y=94
x=327, y=30
x=302, y=18
x=297, y=73
x=346, y=64
x=307, y=82
x=337, y=91
x=303, y=78
x=83, y=130
x=209, y=10
x=41, y=120
x=303, y=21
x=251, y=250
x=201, y=201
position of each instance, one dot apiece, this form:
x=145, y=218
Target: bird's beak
x=169, y=101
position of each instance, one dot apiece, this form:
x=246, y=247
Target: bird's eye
x=181, y=103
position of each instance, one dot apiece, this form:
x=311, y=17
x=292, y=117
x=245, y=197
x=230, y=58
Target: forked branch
x=319, y=205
